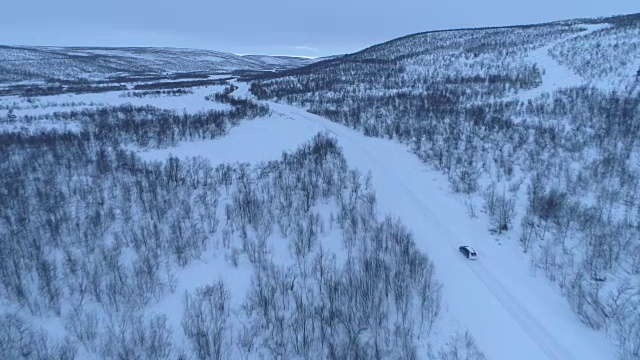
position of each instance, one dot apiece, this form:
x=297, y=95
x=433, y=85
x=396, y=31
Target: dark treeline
x=45, y=90
x=58, y=86
x=146, y=126
x=155, y=77
x=180, y=84
x=328, y=86
x=157, y=93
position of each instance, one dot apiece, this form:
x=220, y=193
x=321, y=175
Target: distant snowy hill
x=603, y=51
x=282, y=62
x=26, y=63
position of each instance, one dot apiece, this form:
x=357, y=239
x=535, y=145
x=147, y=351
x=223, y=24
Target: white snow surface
x=555, y=75
x=253, y=141
x=41, y=105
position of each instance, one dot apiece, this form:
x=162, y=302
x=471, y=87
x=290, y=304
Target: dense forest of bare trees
x=94, y=238
x=569, y=156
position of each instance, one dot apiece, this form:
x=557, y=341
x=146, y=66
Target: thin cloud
x=307, y=48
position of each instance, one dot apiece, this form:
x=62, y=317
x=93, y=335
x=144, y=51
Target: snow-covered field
x=41, y=105
x=257, y=140
x=59, y=104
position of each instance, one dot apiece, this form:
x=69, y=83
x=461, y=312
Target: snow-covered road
x=511, y=314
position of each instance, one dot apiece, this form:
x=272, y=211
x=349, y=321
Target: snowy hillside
x=154, y=210
x=535, y=129
x=25, y=63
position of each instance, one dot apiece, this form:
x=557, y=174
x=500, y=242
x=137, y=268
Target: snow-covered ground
x=253, y=141
x=555, y=75
x=40, y=105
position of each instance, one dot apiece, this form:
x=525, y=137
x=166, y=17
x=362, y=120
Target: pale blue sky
x=286, y=27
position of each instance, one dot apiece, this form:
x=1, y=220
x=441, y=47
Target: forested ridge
x=556, y=172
